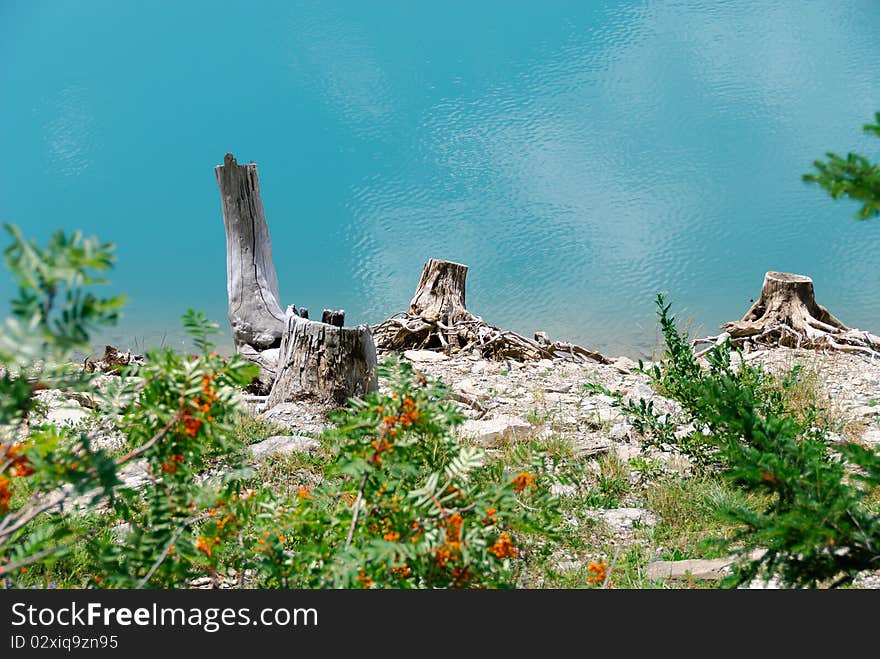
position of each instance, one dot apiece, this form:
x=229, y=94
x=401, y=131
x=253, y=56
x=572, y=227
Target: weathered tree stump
x=787, y=314
x=298, y=358
x=323, y=362
x=335, y=318
x=254, y=308
x=113, y=362
x=438, y=319
x=440, y=295
x=254, y=305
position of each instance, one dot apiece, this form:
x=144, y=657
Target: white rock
x=68, y=414
x=467, y=386
x=563, y=490
x=589, y=447
x=479, y=367
x=684, y=431
x=863, y=411
x=496, y=431
x=676, y=462
x=624, y=518
x=763, y=584
x=134, y=474
x=640, y=391
x=871, y=437
x=693, y=568
x=624, y=365
x=283, y=445
x=121, y=531
x=626, y=452
x=620, y=430
x=299, y=416
x=608, y=415
x=424, y=356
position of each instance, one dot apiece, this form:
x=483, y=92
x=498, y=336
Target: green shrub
x=405, y=505
x=811, y=519
x=401, y=505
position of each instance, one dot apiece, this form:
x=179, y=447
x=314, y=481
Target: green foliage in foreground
x=402, y=504
x=813, y=524
x=406, y=505
x=853, y=176
x=175, y=413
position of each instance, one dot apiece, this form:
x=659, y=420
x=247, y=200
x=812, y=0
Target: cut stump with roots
x=438, y=319
x=787, y=314
x=113, y=362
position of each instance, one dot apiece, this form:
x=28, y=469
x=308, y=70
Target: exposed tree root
x=787, y=315
x=113, y=362
x=438, y=319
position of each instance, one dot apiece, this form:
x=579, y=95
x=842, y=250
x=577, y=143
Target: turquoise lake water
x=579, y=156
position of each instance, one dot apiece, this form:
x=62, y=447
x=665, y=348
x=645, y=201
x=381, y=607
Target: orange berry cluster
x=450, y=550
x=225, y=525
x=461, y=575
x=409, y=415
x=5, y=493
x=523, y=481
x=17, y=466
x=379, y=447
x=598, y=572
x=170, y=466
x=503, y=547
x=206, y=545
x=204, y=401
x=264, y=543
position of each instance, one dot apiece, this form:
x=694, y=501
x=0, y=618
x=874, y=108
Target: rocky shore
x=506, y=402
x=509, y=400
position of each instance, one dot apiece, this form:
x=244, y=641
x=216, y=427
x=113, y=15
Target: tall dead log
x=323, y=362
x=438, y=319
x=787, y=314
x=254, y=305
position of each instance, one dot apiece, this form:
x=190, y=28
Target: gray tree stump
x=322, y=362
x=254, y=305
x=787, y=314
x=438, y=319
x=440, y=295
x=787, y=303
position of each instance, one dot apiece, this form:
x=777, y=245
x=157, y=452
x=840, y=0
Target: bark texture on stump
x=254, y=305
x=787, y=314
x=113, y=362
x=438, y=319
x=322, y=362
x=790, y=299
x=440, y=295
